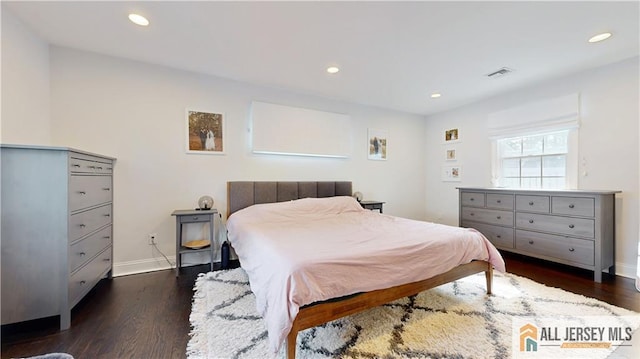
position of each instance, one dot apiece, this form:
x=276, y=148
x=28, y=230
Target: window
x=534, y=161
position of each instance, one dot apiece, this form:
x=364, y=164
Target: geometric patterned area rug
x=454, y=320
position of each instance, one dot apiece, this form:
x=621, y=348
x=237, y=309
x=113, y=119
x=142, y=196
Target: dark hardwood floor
x=147, y=315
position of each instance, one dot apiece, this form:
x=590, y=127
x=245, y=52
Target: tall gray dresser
x=573, y=227
x=56, y=229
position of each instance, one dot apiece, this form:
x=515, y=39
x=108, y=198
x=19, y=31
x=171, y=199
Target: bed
x=313, y=254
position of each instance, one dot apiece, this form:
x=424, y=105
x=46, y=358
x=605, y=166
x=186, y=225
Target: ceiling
x=391, y=54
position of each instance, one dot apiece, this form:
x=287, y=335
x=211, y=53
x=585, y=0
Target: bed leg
x=489, y=274
x=291, y=343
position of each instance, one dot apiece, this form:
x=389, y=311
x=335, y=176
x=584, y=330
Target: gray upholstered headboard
x=244, y=194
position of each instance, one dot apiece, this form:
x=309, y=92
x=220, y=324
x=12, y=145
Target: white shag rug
x=455, y=320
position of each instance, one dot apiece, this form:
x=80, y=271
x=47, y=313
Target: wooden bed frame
x=244, y=194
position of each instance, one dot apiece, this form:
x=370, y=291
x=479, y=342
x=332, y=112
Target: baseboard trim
x=625, y=270
x=142, y=266
x=158, y=263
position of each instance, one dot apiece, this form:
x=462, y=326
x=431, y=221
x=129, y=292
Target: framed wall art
x=450, y=154
x=205, y=132
x=452, y=135
x=377, y=144
x=451, y=173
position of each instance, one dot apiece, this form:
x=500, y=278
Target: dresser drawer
x=499, y=236
x=573, y=206
x=490, y=216
x=475, y=199
x=532, y=203
x=580, y=227
x=84, y=279
x=499, y=201
x=77, y=165
x=87, y=191
x=83, y=223
x=87, y=248
x=567, y=249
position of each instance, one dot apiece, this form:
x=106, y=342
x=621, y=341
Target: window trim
x=571, y=178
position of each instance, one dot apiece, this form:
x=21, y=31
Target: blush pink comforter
x=299, y=252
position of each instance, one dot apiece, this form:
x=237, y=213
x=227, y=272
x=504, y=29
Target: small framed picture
x=452, y=135
x=450, y=154
x=205, y=132
x=377, y=146
x=451, y=173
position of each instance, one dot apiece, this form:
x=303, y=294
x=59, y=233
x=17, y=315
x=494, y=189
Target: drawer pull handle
x=107, y=215
x=471, y=214
x=196, y=218
x=82, y=225
x=82, y=193
x=531, y=221
x=106, y=237
x=92, y=167
x=531, y=203
x=571, y=249
x=83, y=282
x=82, y=254
x=498, y=236
x=107, y=259
x=99, y=168
x=75, y=165
x=530, y=242
x=109, y=168
x=499, y=201
x=106, y=189
x=571, y=206
x=499, y=217
x=571, y=226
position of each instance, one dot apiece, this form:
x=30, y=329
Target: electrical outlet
x=152, y=238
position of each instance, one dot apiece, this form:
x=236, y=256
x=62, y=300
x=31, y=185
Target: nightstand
x=194, y=216
x=372, y=205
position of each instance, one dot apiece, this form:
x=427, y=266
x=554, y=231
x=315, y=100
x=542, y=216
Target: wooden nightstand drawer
x=580, y=227
x=196, y=218
x=490, y=216
x=474, y=199
x=573, y=206
x=567, y=249
x=532, y=203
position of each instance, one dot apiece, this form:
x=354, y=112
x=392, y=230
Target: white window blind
x=559, y=113
x=285, y=130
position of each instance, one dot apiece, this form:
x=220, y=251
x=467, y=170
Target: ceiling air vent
x=499, y=73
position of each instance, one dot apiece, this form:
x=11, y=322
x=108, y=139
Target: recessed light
x=138, y=19
x=435, y=95
x=600, y=37
x=332, y=70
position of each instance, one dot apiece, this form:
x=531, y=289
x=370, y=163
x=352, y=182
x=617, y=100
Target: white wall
x=608, y=145
x=136, y=112
x=25, y=84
